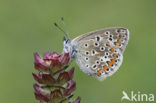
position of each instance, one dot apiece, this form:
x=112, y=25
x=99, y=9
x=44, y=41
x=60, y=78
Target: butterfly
x=98, y=53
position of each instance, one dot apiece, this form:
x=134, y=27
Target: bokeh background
x=26, y=26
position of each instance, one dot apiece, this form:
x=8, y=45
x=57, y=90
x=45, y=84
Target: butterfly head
x=68, y=47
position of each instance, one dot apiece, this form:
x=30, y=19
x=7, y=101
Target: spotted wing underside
x=99, y=53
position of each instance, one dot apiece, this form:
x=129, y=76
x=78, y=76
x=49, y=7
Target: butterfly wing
x=99, y=53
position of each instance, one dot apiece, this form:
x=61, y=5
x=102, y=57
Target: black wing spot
x=110, y=39
x=102, y=48
x=87, y=65
x=93, y=51
x=94, y=66
x=86, y=58
x=87, y=53
x=86, y=45
x=110, y=36
x=96, y=44
x=107, y=53
x=98, y=38
x=107, y=32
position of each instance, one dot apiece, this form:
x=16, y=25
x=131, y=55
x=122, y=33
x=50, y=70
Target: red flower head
x=56, y=84
x=51, y=62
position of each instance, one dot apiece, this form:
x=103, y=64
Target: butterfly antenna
x=65, y=27
x=61, y=29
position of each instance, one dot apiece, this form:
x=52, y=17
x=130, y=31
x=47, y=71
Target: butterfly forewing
x=99, y=53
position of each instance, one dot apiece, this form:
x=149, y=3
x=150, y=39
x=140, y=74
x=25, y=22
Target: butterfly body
x=99, y=53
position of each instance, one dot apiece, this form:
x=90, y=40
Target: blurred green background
x=26, y=26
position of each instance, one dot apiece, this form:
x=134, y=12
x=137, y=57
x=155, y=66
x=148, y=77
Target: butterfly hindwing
x=99, y=53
